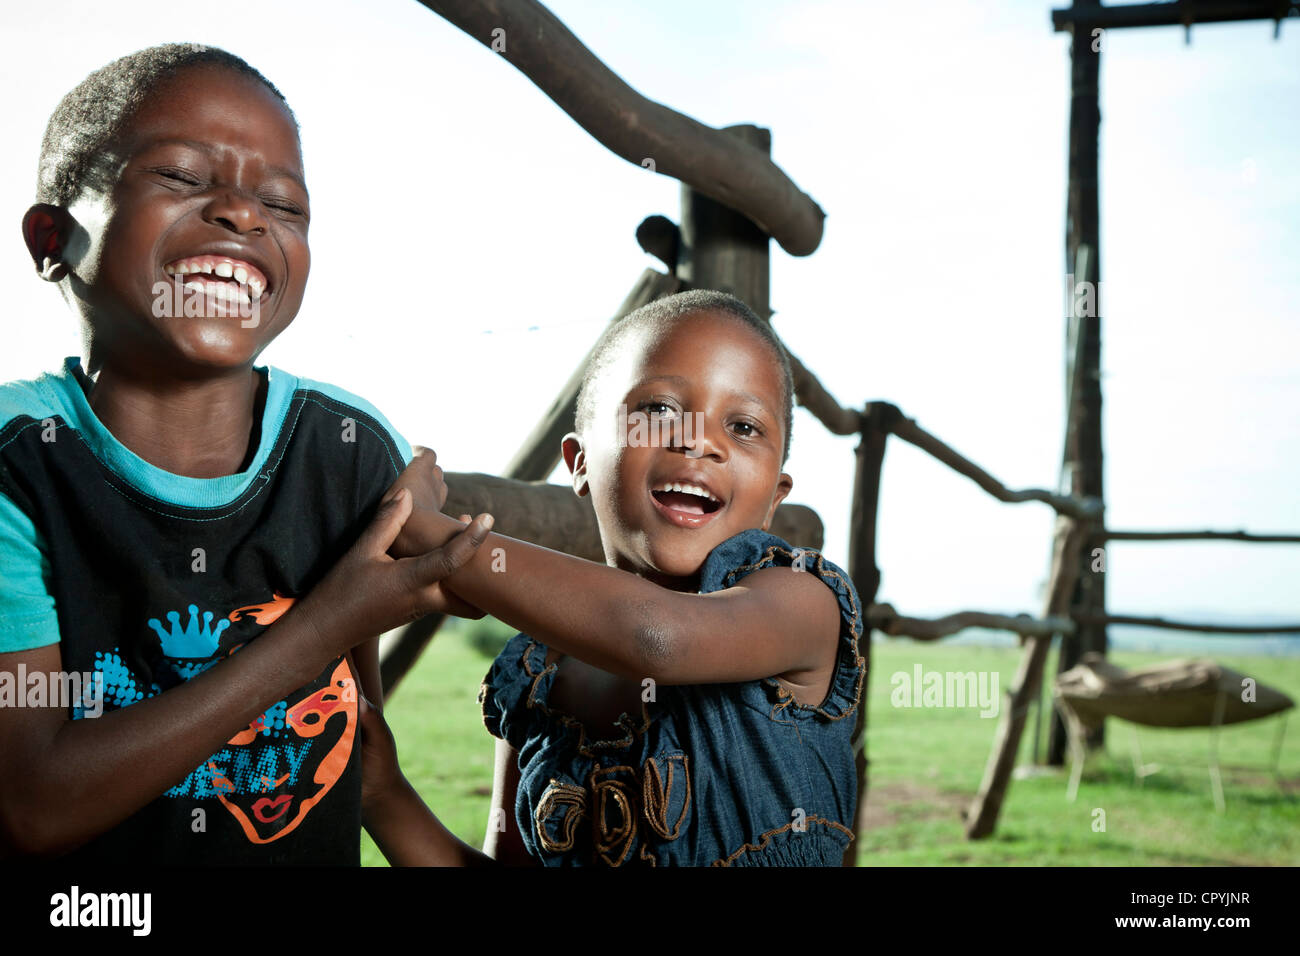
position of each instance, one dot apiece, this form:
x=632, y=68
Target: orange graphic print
x=267, y=613
x=330, y=710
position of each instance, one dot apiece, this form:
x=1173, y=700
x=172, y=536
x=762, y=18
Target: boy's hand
x=367, y=592
x=381, y=774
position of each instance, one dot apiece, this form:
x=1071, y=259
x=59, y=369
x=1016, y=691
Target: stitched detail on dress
x=657, y=792
x=613, y=840
x=855, y=626
x=646, y=856
x=572, y=799
x=765, y=839
x=586, y=749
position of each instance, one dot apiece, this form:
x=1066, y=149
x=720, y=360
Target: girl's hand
x=367, y=592
x=424, y=480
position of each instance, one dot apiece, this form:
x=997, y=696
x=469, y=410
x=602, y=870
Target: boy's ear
x=783, y=486
x=575, y=459
x=45, y=230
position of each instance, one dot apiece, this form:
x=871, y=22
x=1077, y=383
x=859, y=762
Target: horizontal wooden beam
x=1178, y=13
x=1187, y=626
x=535, y=42
x=884, y=618
x=1110, y=535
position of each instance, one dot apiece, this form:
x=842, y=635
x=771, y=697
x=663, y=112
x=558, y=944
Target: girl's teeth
x=681, y=488
x=225, y=270
x=241, y=274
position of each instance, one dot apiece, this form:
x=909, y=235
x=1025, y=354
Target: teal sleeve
x=27, y=615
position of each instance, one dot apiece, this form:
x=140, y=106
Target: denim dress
x=736, y=774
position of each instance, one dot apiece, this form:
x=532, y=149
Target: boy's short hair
x=94, y=113
x=659, y=314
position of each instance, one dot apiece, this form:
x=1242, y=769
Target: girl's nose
x=698, y=440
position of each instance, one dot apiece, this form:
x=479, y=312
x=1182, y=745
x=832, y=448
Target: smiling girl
x=688, y=703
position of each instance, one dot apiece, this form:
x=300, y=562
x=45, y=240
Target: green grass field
x=926, y=763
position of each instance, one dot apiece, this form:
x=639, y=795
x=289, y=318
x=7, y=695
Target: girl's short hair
x=98, y=109
x=661, y=312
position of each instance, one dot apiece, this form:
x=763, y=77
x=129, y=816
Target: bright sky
x=469, y=240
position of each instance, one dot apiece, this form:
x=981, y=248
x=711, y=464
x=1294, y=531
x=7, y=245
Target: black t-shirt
x=151, y=578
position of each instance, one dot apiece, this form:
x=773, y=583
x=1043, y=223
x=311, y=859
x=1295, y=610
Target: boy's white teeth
x=243, y=273
x=220, y=290
x=685, y=489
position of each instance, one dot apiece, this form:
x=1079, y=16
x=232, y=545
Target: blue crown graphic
x=193, y=640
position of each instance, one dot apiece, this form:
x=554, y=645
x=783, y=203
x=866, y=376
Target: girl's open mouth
x=685, y=505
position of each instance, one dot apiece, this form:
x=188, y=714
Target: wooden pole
x=1081, y=466
x=982, y=816
x=720, y=248
x=866, y=580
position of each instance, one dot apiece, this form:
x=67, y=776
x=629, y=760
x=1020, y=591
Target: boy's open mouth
x=221, y=276
x=685, y=504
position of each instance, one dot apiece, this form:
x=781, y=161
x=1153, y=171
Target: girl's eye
x=746, y=429
x=657, y=409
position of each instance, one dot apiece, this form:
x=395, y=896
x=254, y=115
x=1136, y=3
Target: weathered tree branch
x=884, y=618
x=1108, y=534
x=539, y=45
x=1081, y=508
x=1188, y=626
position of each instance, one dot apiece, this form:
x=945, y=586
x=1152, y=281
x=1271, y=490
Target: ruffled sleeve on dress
x=752, y=550
x=508, y=688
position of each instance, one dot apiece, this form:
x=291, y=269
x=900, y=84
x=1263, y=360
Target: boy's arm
x=63, y=782
x=397, y=819
x=503, y=842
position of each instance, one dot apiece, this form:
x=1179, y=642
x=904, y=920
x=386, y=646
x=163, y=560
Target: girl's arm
x=779, y=621
x=63, y=782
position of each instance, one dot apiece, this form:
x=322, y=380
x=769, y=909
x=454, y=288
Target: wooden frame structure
x=734, y=199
